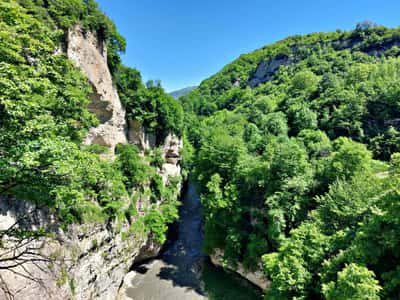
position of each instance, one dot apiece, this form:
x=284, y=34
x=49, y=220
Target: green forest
x=299, y=166
x=295, y=149
x=44, y=117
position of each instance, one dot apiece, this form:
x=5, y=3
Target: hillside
x=89, y=155
x=182, y=92
x=287, y=163
x=296, y=154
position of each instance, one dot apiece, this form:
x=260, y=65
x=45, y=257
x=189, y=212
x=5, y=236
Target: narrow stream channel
x=179, y=273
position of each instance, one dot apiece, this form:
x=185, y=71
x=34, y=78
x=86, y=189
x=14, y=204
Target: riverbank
x=182, y=271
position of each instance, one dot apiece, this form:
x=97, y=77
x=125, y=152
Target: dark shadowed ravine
x=179, y=273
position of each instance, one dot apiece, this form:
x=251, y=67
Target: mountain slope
x=182, y=92
x=288, y=140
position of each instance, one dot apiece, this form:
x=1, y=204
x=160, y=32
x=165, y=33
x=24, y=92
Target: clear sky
x=182, y=42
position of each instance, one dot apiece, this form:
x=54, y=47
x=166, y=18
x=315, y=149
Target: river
x=183, y=272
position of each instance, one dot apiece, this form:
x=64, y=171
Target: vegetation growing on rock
x=149, y=104
x=295, y=149
x=44, y=117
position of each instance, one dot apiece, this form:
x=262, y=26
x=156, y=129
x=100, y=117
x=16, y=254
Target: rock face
x=86, y=261
x=33, y=256
x=137, y=135
x=172, y=149
x=90, y=55
x=267, y=69
x=256, y=277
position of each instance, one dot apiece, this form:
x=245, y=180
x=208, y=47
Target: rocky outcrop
x=90, y=55
x=32, y=271
x=172, y=148
x=255, y=277
x=138, y=136
x=86, y=261
x=266, y=70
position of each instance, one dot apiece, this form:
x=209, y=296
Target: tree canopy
x=44, y=116
x=295, y=165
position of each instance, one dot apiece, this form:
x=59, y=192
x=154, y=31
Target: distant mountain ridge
x=182, y=92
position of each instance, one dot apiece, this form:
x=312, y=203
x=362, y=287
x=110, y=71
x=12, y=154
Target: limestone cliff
x=84, y=262
x=87, y=261
x=137, y=135
x=172, y=148
x=266, y=70
x=90, y=55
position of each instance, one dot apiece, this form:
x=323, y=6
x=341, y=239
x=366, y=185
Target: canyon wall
x=86, y=261
x=90, y=55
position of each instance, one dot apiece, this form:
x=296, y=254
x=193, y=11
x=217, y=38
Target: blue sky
x=182, y=42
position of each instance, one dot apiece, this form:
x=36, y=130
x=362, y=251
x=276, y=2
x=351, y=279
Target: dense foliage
x=67, y=13
x=296, y=149
x=157, y=111
x=296, y=161
x=44, y=116
x=151, y=106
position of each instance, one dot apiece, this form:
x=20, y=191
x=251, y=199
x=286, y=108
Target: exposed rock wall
x=266, y=70
x=90, y=55
x=86, y=261
x=256, y=277
x=33, y=277
x=172, y=149
x=138, y=136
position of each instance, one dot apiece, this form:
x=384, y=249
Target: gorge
x=182, y=271
x=276, y=178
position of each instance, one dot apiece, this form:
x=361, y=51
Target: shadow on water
x=212, y=282
x=181, y=278
x=182, y=271
x=221, y=285
x=183, y=256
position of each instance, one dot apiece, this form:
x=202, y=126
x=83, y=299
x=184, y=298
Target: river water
x=179, y=273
